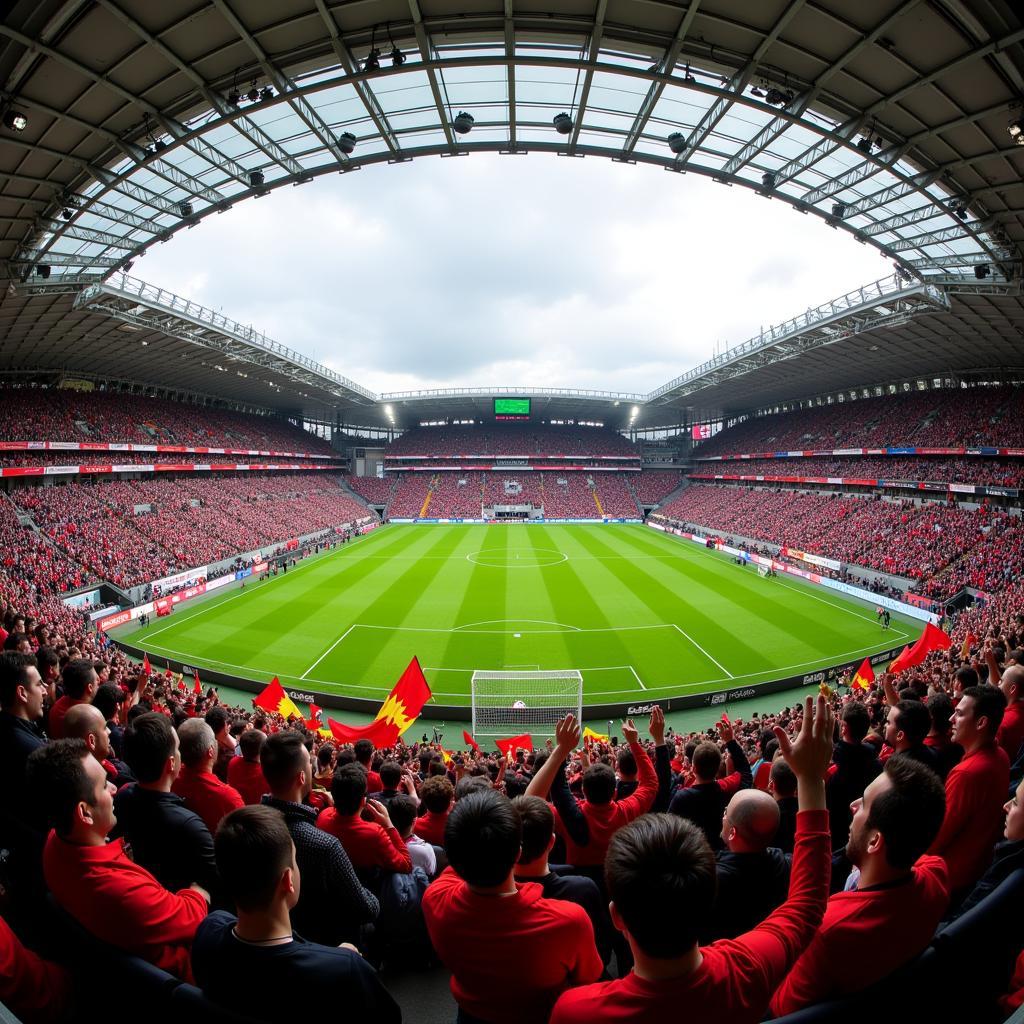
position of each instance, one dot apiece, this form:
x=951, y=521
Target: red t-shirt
x=247, y=778
x=736, y=977
x=55, y=723
x=1011, y=731
x=373, y=783
x=37, y=990
x=430, y=827
x=510, y=956
x=120, y=902
x=604, y=820
x=367, y=844
x=907, y=914
x=975, y=793
x=207, y=796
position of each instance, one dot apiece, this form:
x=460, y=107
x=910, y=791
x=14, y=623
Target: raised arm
x=647, y=780
x=567, y=736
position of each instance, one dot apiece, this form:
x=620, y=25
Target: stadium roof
x=896, y=120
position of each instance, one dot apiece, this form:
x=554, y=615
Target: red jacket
x=247, y=778
x=845, y=955
x=1011, y=731
x=737, y=976
x=367, y=844
x=207, y=796
x=121, y=903
x=975, y=792
x=510, y=956
x=604, y=820
x=430, y=827
x=55, y=721
x=35, y=989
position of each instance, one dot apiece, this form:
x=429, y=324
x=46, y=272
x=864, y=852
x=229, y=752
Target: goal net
x=509, y=703
x=763, y=571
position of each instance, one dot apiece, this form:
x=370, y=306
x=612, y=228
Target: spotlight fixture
x=185, y=209
x=677, y=143
x=256, y=179
x=463, y=123
x=67, y=213
x=253, y=94
x=346, y=143
x=159, y=145
x=1015, y=129
x=397, y=58
x=43, y=270
x=562, y=123
x=266, y=93
x=15, y=120
x=959, y=209
x=372, y=62
x=865, y=144
x=838, y=211
x=234, y=97
x=757, y=91
x=982, y=270
x=768, y=180
x=127, y=265
x=778, y=98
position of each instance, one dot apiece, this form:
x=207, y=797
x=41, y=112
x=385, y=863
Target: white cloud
x=488, y=270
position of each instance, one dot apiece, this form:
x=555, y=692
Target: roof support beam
x=423, y=40
x=936, y=237
x=594, y=49
x=664, y=67
x=510, y=72
x=362, y=88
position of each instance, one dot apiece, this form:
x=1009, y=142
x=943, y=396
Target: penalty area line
x=328, y=651
x=702, y=651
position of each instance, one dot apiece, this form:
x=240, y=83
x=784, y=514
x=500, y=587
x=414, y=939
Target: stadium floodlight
x=1015, y=129
x=185, y=209
x=234, y=97
x=15, y=120
x=266, y=93
x=982, y=270
x=768, y=180
x=347, y=143
x=372, y=62
x=838, y=211
x=397, y=58
x=463, y=123
x=677, y=143
x=256, y=179
x=43, y=270
x=253, y=94
x=562, y=123
x=865, y=144
x=67, y=213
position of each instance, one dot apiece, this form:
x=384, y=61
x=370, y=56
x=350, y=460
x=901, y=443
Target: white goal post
x=510, y=703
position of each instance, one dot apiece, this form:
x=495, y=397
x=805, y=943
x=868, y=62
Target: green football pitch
x=640, y=614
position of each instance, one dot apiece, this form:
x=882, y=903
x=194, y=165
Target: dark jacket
x=1008, y=857
x=786, y=834
x=856, y=766
x=750, y=887
x=166, y=837
x=704, y=803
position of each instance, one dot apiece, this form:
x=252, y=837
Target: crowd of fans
x=960, y=418
x=653, y=485
x=180, y=523
x=511, y=439
x=615, y=496
x=781, y=846
x=978, y=471
x=51, y=414
x=938, y=546
x=376, y=490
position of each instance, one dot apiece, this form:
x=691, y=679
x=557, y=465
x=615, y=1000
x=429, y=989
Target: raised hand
x=629, y=731
x=567, y=735
x=725, y=731
x=656, y=726
x=379, y=813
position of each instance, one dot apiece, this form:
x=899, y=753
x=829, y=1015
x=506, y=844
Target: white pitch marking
x=494, y=622
x=705, y=653
x=640, y=682
x=328, y=651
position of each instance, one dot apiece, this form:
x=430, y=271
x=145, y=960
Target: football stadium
x=498, y=591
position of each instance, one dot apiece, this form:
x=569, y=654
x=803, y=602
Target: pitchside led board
x=512, y=408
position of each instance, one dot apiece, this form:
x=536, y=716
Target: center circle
x=517, y=558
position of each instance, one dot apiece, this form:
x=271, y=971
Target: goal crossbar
x=510, y=703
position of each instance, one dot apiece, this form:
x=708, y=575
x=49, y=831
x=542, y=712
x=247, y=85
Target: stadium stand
x=614, y=498
x=652, y=485
x=511, y=440
x=371, y=488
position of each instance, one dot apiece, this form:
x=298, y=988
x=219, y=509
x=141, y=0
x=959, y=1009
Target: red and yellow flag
x=510, y=746
x=397, y=713
x=274, y=699
x=969, y=641
x=864, y=676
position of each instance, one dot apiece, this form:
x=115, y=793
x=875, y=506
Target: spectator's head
x=706, y=761
x=250, y=743
x=1014, y=809
x=198, y=745
x=364, y=752
x=483, y=839
x=469, y=783
x=18, y=642
x=538, y=823
x=660, y=874
x=348, y=788
x=107, y=700
x=286, y=766
x=626, y=764
x=599, y=784
x=856, y=722
x=940, y=708
x=390, y=774
x=49, y=663
x=1012, y=684
x=402, y=811
x=750, y=821
x=22, y=689
x=437, y=794
x=151, y=750
x=86, y=722
x=907, y=725
x=220, y=722
x=80, y=679
x=325, y=758
x=72, y=788
x=977, y=716
x=782, y=779
x=256, y=859
x=963, y=679
x=899, y=815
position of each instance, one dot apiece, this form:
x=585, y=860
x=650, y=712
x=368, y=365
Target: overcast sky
x=487, y=270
